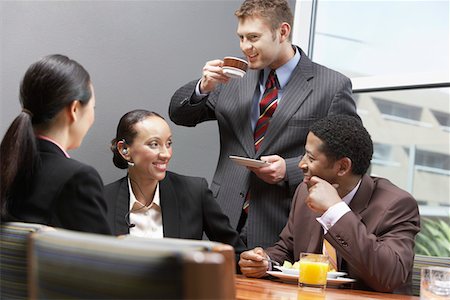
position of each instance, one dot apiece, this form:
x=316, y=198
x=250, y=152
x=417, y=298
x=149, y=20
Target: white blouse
x=147, y=220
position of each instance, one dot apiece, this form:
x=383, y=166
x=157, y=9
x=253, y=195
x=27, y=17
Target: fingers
x=215, y=62
x=250, y=263
x=260, y=251
x=315, y=180
x=271, y=158
x=212, y=75
x=322, y=195
x=275, y=171
x=254, y=272
x=213, y=71
x=256, y=254
x=312, y=206
x=253, y=263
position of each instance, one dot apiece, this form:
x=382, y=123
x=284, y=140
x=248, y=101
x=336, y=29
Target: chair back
x=421, y=261
x=14, y=238
x=75, y=265
x=227, y=284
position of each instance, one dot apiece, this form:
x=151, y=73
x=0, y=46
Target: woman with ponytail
x=39, y=182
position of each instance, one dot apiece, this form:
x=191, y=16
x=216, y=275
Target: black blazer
x=187, y=206
x=63, y=193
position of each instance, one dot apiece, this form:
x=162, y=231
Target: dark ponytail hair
x=127, y=133
x=48, y=86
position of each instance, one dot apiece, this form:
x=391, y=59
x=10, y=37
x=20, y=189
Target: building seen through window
x=397, y=55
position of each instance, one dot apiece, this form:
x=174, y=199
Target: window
x=443, y=118
x=383, y=155
x=400, y=110
x=433, y=160
x=397, y=56
x=376, y=38
x=415, y=158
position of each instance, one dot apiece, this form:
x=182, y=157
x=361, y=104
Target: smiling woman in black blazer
x=153, y=202
x=39, y=181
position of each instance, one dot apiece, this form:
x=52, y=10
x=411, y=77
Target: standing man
x=365, y=224
x=266, y=115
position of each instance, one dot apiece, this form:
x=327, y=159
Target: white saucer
x=233, y=72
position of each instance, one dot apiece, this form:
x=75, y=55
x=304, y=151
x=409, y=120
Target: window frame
x=303, y=35
x=305, y=14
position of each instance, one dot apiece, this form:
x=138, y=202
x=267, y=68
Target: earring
x=130, y=163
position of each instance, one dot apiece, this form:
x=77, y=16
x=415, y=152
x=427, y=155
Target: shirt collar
x=349, y=197
x=284, y=72
x=46, y=138
x=136, y=205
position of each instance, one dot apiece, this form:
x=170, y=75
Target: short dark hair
x=126, y=132
x=275, y=12
x=345, y=136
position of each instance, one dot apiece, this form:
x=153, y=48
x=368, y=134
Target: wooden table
x=262, y=289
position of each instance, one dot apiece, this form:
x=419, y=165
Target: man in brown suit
x=369, y=221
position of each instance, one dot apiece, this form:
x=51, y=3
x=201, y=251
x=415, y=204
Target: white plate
x=296, y=272
x=233, y=72
x=294, y=278
x=287, y=270
x=248, y=162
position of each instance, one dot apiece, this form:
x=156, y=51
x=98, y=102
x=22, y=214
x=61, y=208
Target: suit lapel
x=122, y=207
x=295, y=93
x=359, y=203
x=242, y=125
x=169, y=208
x=363, y=194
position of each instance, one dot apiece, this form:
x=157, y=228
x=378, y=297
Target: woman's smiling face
x=151, y=149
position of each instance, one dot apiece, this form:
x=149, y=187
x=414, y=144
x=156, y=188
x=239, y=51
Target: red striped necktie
x=267, y=106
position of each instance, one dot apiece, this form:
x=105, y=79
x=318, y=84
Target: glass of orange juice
x=313, y=271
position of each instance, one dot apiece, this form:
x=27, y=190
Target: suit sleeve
x=83, y=207
x=216, y=224
x=183, y=110
x=343, y=102
x=294, y=174
x=382, y=259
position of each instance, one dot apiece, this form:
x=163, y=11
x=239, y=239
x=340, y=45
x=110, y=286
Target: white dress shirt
x=147, y=220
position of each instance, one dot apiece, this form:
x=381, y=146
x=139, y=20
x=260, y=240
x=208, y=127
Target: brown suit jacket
x=376, y=239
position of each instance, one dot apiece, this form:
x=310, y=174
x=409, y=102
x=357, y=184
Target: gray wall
x=137, y=52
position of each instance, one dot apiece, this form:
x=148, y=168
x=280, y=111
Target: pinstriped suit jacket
x=312, y=93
